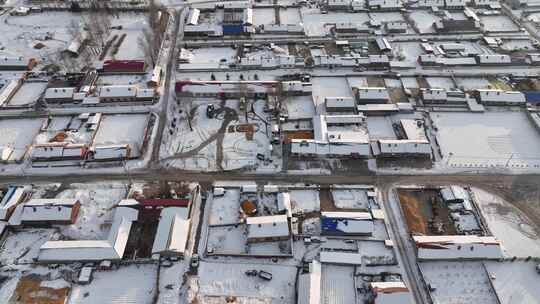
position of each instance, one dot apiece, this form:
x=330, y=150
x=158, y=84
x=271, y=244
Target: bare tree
x=150, y=41
x=97, y=22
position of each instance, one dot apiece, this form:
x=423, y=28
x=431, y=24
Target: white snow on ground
x=128, y=284
x=215, y=54
x=305, y=200
x=424, y=20
x=472, y=83
x=263, y=16
x=440, y=82
x=353, y=199
x=28, y=93
x=21, y=33
x=23, y=245
x=122, y=129
x=219, y=279
x=314, y=21
x=329, y=87
x=170, y=280
x=97, y=201
x=458, y=282
x=227, y=239
x=493, y=139
x=509, y=224
x=380, y=127
x=515, y=282
x=225, y=209
x=18, y=134
x=132, y=25
x=289, y=15
x=300, y=107
x=337, y=286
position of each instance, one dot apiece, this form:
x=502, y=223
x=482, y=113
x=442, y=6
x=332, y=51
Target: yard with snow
x=123, y=129
x=485, y=140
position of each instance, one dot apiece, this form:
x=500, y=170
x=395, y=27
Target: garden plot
x=300, y=107
x=97, y=208
x=472, y=83
x=264, y=16
x=329, y=87
x=290, y=15
x=227, y=240
x=21, y=33
x=494, y=139
x=317, y=24
x=229, y=279
x=458, y=282
x=225, y=209
x=517, y=232
x=351, y=199
x=387, y=17
x=107, y=80
x=380, y=127
x=23, y=246
x=123, y=129
x=132, y=27
x=305, y=200
x=127, y=284
x=407, y=51
x=515, y=282
x=17, y=135
x=337, y=285
x=215, y=54
x=424, y=20
x=499, y=23
x=27, y=94
x=440, y=83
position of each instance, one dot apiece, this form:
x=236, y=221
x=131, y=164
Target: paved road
x=170, y=70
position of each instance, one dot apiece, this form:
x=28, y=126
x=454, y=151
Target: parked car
x=265, y=275
x=194, y=261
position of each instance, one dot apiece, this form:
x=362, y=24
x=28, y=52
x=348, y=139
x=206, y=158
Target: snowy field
x=128, y=284
x=123, y=129
x=494, y=139
x=219, y=279
x=509, y=224
x=18, y=134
